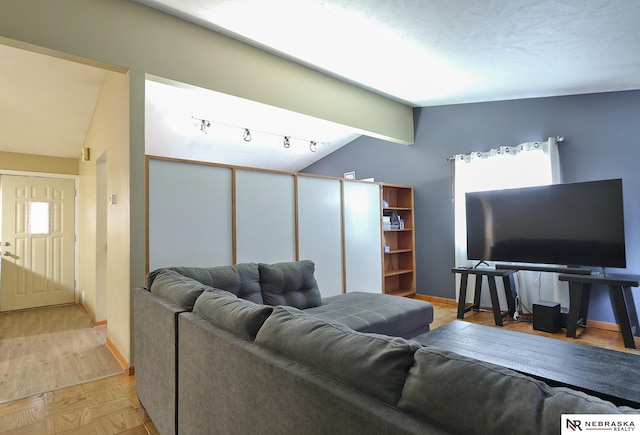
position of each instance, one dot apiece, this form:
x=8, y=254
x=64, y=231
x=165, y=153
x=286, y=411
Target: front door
x=37, y=242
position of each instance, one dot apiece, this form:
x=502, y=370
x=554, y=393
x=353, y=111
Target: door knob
x=6, y=253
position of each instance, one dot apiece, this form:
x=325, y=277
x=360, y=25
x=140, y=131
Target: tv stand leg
x=585, y=298
x=510, y=293
x=631, y=310
x=628, y=320
x=478, y=292
x=497, y=314
x=462, y=296
x=578, y=306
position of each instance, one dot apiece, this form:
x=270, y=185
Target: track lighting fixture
x=246, y=135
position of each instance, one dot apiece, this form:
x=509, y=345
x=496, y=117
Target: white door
x=362, y=237
x=320, y=230
x=37, y=242
x=264, y=217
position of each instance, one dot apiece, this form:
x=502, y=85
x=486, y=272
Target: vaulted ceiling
x=46, y=103
x=418, y=52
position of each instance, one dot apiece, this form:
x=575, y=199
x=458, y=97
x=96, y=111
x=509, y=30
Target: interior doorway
x=101, y=237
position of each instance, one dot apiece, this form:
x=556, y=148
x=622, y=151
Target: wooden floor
x=49, y=348
x=445, y=312
x=104, y=407
x=47, y=357
x=110, y=406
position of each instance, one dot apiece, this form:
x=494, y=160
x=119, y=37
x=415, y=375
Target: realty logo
x=599, y=423
x=574, y=424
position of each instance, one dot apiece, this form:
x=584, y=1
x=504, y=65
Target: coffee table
x=608, y=374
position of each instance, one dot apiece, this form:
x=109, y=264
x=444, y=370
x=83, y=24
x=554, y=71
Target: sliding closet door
x=265, y=217
x=363, y=240
x=189, y=214
x=320, y=230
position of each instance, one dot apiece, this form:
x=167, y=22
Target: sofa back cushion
x=373, y=364
x=291, y=283
x=464, y=395
x=177, y=288
x=243, y=280
x=226, y=311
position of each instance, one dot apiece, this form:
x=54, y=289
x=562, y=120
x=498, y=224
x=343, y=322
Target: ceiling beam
x=133, y=36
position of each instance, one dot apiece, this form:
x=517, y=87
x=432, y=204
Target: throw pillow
x=226, y=311
x=290, y=283
x=176, y=288
x=243, y=280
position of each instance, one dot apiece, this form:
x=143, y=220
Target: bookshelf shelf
x=398, y=240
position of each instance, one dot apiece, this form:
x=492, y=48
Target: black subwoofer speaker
x=546, y=316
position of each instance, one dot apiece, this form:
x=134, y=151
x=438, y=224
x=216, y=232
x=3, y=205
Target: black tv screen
x=572, y=224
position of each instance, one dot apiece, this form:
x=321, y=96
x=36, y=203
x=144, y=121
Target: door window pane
x=39, y=218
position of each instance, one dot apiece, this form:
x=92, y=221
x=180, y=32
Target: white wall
x=108, y=136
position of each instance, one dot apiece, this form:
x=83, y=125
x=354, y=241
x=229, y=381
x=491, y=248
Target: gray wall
x=602, y=140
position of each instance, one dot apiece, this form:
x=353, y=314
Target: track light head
x=247, y=135
x=286, y=142
x=313, y=147
x=204, y=124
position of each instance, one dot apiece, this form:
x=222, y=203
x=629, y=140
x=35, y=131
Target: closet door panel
x=363, y=240
x=189, y=215
x=320, y=230
x=265, y=217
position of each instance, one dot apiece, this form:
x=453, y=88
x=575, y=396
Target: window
x=38, y=218
x=527, y=164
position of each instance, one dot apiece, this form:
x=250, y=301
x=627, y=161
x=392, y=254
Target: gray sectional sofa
x=251, y=348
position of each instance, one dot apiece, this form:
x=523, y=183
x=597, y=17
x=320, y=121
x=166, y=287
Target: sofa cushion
x=243, y=280
x=373, y=364
x=177, y=288
x=464, y=395
x=379, y=313
x=290, y=283
x=226, y=311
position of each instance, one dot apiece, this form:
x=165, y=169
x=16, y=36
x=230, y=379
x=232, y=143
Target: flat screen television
x=571, y=224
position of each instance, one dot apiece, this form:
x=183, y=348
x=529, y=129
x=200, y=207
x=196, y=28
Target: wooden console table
x=609, y=374
x=491, y=274
x=623, y=304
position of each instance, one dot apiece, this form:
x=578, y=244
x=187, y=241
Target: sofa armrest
x=154, y=340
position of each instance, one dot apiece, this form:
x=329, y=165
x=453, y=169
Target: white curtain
x=524, y=165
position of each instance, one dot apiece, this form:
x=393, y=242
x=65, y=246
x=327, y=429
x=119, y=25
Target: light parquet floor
x=104, y=407
x=111, y=406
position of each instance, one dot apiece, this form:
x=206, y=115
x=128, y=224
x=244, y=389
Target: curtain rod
x=557, y=138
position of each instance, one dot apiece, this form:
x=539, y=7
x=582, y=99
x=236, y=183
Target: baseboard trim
x=603, y=325
x=437, y=299
x=121, y=359
x=94, y=322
